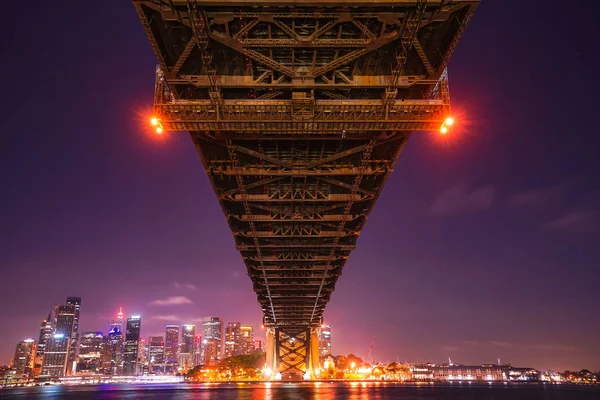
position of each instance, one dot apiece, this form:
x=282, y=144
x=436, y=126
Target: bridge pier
x=292, y=354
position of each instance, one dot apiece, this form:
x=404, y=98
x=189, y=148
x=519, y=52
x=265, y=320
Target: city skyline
x=482, y=246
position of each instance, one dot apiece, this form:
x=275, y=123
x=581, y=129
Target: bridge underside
x=299, y=112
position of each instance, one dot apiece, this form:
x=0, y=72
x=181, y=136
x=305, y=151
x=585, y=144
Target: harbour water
x=309, y=390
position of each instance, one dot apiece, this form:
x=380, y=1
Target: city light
x=443, y=130
x=449, y=121
x=154, y=121
x=159, y=130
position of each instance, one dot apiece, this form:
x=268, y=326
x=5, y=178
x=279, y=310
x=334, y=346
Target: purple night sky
x=481, y=246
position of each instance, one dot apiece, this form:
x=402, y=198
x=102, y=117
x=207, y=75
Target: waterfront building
x=324, y=340
x=185, y=360
x=132, y=340
x=210, y=352
x=90, y=352
x=171, y=348
x=246, y=340
x=156, y=348
x=74, y=345
x=56, y=355
x=45, y=333
x=232, y=339
x=113, y=352
x=212, y=328
x=142, y=356
x=197, y=358
x=24, y=360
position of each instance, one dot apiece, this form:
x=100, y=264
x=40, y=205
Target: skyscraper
x=24, y=360
x=171, y=348
x=142, y=356
x=156, y=349
x=197, y=358
x=55, y=355
x=210, y=351
x=246, y=340
x=232, y=339
x=64, y=317
x=132, y=339
x=324, y=340
x=118, y=323
x=212, y=328
x=187, y=346
x=45, y=333
x=74, y=346
x=113, y=352
x=90, y=352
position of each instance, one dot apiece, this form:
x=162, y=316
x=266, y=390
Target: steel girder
x=299, y=113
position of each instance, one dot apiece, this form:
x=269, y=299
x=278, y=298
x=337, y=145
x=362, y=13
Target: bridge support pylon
x=292, y=354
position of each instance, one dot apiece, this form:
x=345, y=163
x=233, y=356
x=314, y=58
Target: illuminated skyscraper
x=212, y=328
x=171, y=348
x=113, y=352
x=156, y=349
x=55, y=355
x=197, y=358
x=142, y=356
x=118, y=323
x=24, y=358
x=186, y=350
x=210, y=352
x=324, y=340
x=74, y=346
x=45, y=333
x=232, y=339
x=246, y=340
x=132, y=340
x=90, y=352
x=64, y=324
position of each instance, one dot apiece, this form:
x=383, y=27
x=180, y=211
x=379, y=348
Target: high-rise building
x=324, y=340
x=74, y=346
x=45, y=333
x=259, y=346
x=142, y=356
x=197, y=358
x=156, y=349
x=186, y=349
x=132, y=340
x=232, y=339
x=171, y=348
x=113, y=352
x=118, y=323
x=210, y=351
x=212, y=328
x=246, y=340
x=24, y=360
x=90, y=352
x=64, y=317
x=55, y=355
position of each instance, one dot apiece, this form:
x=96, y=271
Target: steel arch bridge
x=299, y=111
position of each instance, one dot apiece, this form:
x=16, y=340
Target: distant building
x=118, y=323
x=212, y=328
x=185, y=358
x=324, y=340
x=113, y=352
x=132, y=339
x=171, y=348
x=233, y=335
x=142, y=356
x=457, y=372
x=246, y=340
x=259, y=346
x=55, y=355
x=45, y=333
x=210, y=352
x=197, y=350
x=74, y=345
x=156, y=349
x=24, y=360
x=90, y=352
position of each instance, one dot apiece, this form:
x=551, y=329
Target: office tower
x=156, y=349
x=142, y=356
x=45, y=333
x=186, y=350
x=64, y=317
x=132, y=340
x=55, y=355
x=171, y=348
x=324, y=340
x=210, y=351
x=197, y=357
x=258, y=346
x=232, y=339
x=24, y=360
x=246, y=340
x=212, y=328
x=90, y=352
x=113, y=352
x=74, y=346
x=118, y=323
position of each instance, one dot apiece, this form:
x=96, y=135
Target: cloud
x=573, y=219
x=171, y=301
x=538, y=196
x=165, y=317
x=498, y=343
x=460, y=198
x=450, y=348
x=554, y=347
x=189, y=286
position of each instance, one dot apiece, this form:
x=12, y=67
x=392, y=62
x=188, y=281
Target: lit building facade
x=212, y=328
x=233, y=336
x=142, y=356
x=156, y=349
x=90, y=352
x=45, y=333
x=324, y=340
x=132, y=341
x=186, y=350
x=74, y=345
x=113, y=352
x=55, y=355
x=246, y=340
x=197, y=350
x=118, y=322
x=171, y=348
x=210, y=352
x=24, y=360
